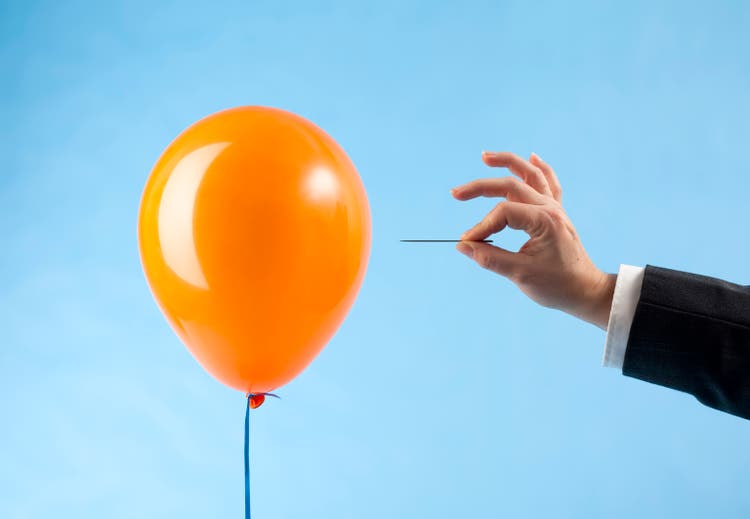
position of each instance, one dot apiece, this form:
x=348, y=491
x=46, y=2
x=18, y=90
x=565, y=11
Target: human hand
x=552, y=267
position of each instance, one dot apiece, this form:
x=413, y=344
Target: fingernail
x=464, y=235
x=465, y=249
x=454, y=190
x=537, y=157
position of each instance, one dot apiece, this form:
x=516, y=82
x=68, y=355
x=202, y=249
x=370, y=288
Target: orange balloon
x=254, y=235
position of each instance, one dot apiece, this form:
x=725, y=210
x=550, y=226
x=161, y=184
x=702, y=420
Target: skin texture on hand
x=552, y=267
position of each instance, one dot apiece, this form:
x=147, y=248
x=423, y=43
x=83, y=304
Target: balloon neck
x=255, y=400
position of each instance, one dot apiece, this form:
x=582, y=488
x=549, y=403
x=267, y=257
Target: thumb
x=488, y=256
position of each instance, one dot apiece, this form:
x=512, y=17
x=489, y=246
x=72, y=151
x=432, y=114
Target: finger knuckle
x=488, y=221
x=556, y=214
x=538, y=174
x=495, y=215
x=514, y=184
x=484, y=260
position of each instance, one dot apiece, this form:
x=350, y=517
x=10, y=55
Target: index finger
x=516, y=215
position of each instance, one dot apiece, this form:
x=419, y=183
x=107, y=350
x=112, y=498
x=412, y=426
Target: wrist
x=596, y=301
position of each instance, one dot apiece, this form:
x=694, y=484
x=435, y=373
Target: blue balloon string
x=247, y=457
x=247, y=448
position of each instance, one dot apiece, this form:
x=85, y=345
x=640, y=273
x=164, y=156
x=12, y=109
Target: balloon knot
x=255, y=400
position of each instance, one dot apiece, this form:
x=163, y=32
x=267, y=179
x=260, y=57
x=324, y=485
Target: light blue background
x=445, y=393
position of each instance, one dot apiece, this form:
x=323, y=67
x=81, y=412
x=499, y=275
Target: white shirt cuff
x=625, y=299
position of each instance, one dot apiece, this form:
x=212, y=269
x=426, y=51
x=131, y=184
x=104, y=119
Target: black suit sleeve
x=692, y=333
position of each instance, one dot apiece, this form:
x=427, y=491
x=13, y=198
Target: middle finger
x=532, y=175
